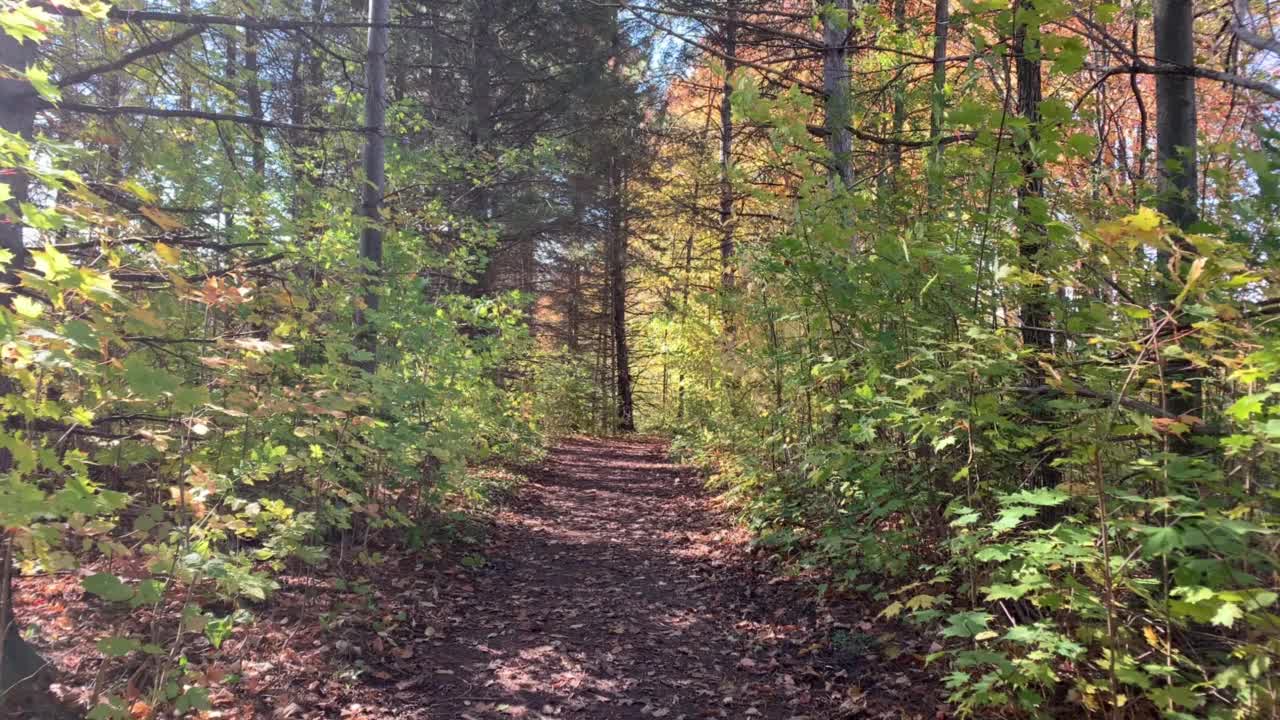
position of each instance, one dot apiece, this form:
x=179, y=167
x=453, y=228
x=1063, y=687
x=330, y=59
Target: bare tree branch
x=117, y=14
x=127, y=59
x=1247, y=35
x=1193, y=71
x=197, y=114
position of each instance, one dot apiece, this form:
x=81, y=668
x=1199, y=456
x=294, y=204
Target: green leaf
x=150, y=591
x=20, y=501
x=1227, y=614
x=1247, y=406
x=1179, y=695
x=38, y=76
x=995, y=553
x=1068, y=53
x=1082, y=144
x=195, y=698
x=1106, y=12
x=81, y=333
x=147, y=381
x=117, y=646
x=218, y=630
x=108, y=587
x=1043, y=497
x=1005, y=592
x=1272, y=428
x=968, y=112
x=1160, y=540
x=26, y=22
x=51, y=263
x=113, y=709
x=136, y=189
x=966, y=624
x=1011, y=517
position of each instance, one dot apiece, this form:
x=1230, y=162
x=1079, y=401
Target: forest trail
x=612, y=588
x=609, y=587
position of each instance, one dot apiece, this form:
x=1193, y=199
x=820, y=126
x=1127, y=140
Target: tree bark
x=481, y=130
x=375, y=179
x=18, y=103
x=941, y=27
x=899, y=101
x=253, y=96
x=617, y=261
x=1176, y=120
x=836, y=80
x=1036, y=316
x=727, y=274
x=1176, y=112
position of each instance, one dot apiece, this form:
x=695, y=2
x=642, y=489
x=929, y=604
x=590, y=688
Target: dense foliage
x=967, y=310
x=207, y=380
x=1060, y=458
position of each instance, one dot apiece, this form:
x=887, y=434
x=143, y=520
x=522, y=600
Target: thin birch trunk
x=375, y=179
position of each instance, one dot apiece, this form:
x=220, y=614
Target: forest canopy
x=966, y=307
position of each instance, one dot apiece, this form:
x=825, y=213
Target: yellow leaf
x=262, y=346
x=921, y=602
x=168, y=253
x=1197, y=269
x=133, y=187
x=145, y=316
x=162, y=219
x=893, y=610
x=26, y=307
x=1153, y=639
x=1145, y=219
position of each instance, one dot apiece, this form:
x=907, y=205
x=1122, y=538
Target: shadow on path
x=610, y=590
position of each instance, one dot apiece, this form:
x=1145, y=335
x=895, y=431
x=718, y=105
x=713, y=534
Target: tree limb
x=196, y=114
x=1248, y=36
x=200, y=277
x=1145, y=408
x=1193, y=71
x=899, y=142
x=117, y=14
x=125, y=60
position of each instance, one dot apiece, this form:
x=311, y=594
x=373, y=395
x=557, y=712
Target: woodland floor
x=609, y=587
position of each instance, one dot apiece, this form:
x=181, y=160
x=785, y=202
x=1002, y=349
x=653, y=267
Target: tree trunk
x=17, y=115
x=1176, y=159
x=375, y=179
x=727, y=275
x=1176, y=112
x=253, y=96
x=18, y=660
x=306, y=99
x=1035, y=313
x=481, y=130
x=184, y=83
x=941, y=27
x=899, y=102
x=836, y=87
x=617, y=260
x=1141, y=103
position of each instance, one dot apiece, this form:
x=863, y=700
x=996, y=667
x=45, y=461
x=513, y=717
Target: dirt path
x=608, y=588
x=610, y=591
